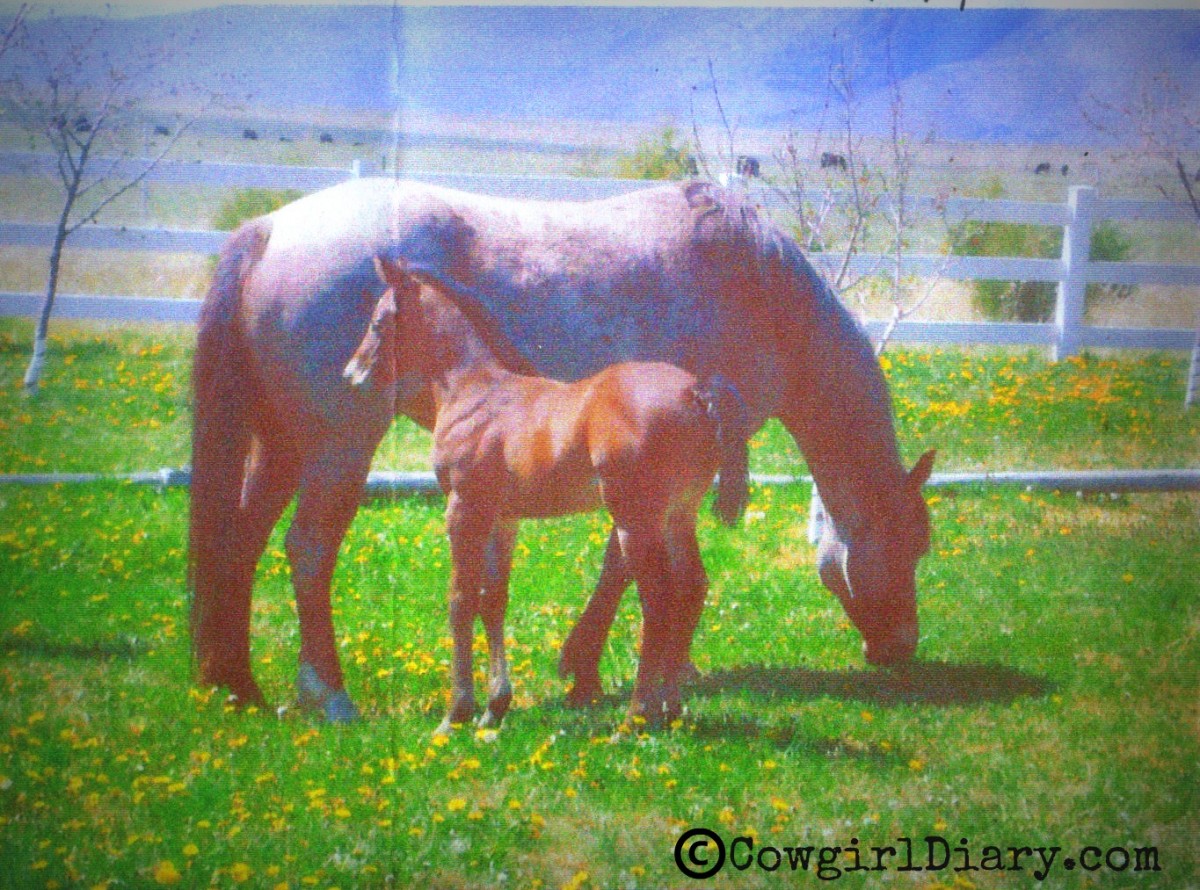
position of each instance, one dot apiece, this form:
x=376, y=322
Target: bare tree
x=825, y=185
x=82, y=103
x=14, y=30
x=1160, y=118
x=845, y=203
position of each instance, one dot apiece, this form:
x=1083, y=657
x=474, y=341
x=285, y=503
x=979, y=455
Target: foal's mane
x=472, y=304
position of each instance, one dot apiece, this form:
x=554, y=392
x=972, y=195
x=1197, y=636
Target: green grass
x=1055, y=702
x=116, y=399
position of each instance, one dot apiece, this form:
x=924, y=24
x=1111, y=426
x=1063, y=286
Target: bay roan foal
x=643, y=439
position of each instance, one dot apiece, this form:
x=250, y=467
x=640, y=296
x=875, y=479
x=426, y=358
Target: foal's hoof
x=243, y=691
x=445, y=729
x=488, y=720
x=584, y=695
x=316, y=695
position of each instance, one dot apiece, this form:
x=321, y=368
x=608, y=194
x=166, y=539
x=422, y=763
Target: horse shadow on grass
x=91, y=650
x=930, y=683
x=934, y=683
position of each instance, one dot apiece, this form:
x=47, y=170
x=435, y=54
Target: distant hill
x=982, y=74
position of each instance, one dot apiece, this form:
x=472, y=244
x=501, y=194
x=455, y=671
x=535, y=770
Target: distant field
x=574, y=148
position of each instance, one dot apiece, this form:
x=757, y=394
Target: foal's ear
x=922, y=469
x=389, y=270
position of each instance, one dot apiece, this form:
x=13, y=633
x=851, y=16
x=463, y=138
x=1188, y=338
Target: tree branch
x=133, y=183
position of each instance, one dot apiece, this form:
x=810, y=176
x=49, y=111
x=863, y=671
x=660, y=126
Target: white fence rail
x=390, y=482
x=1072, y=272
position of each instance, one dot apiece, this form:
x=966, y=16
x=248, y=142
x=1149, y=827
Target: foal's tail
x=222, y=405
x=724, y=404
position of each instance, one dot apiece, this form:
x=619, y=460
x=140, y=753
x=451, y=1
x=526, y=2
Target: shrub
x=1111, y=244
x=1032, y=301
x=658, y=157
x=246, y=204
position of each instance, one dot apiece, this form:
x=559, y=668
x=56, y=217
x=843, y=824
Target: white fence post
x=816, y=517
x=355, y=169
x=1072, y=288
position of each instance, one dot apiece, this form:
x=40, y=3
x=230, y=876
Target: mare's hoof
x=316, y=695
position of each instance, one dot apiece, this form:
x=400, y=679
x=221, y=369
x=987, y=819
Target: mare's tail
x=222, y=394
x=724, y=405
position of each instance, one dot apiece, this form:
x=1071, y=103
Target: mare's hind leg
x=271, y=478
x=581, y=653
x=469, y=530
x=492, y=607
x=330, y=490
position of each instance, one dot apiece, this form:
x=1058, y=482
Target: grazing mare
x=642, y=438
x=686, y=273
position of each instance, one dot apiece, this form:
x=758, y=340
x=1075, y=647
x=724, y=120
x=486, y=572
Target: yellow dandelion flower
x=456, y=804
x=166, y=873
x=190, y=850
x=240, y=872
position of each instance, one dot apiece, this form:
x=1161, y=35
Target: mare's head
x=873, y=570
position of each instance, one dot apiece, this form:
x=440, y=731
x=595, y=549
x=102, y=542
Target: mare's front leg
x=585, y=644
x=494, y=604
x=469, y=529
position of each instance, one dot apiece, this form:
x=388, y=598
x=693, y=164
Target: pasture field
x=567, y=148
x=1054, y=703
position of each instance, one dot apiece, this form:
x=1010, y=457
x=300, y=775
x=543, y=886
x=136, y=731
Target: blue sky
x=979, y=74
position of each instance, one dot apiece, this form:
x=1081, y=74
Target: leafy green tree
x=249, y=203
x=658, y=157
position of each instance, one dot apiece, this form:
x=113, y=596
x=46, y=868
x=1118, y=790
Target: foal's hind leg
x=646, y=552
x=689, y=583
x=493, y=605
x=581, y=653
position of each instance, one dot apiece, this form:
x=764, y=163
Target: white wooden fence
x=1072, y=272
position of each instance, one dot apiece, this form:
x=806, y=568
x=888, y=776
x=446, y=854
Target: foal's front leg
x=468, y=529
x=497, y=567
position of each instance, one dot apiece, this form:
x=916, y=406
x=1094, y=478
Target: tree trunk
x=33, y=374
x=1193, y=385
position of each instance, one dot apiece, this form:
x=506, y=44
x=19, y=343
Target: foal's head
x=376, y=343
x=873, y=571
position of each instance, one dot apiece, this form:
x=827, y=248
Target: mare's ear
x=922, y=469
